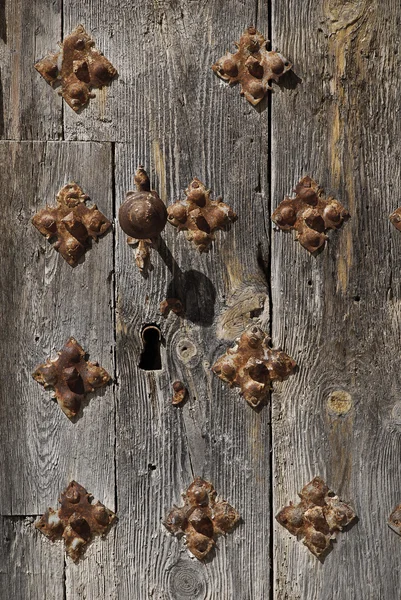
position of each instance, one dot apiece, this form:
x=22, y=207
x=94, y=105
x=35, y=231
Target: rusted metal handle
x=142, y=217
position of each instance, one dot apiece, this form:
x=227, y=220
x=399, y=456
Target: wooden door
x=335, y=117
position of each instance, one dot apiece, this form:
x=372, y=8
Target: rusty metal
x=252, y=365
x=78, y=520
x=180, y=393
x=200, y=216
x=202, y=518
x=171, y=305
x=71, y=224
x=310, y=214
x=395, y=218
x=317, y=518
x=253, y=66
x=394, y=521
x=151, y=328
x=78, y=68
x=142, y=217
x=71, y=377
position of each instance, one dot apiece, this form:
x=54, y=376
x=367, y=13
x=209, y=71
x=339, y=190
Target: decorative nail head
x=252, y=365
x=310, y=214
x=199, y=216
x=78, y=520
x=71, y=224
x=253, y=66
x=202, y=518
x=78, y=68
x=317, y=518
x=71, y=377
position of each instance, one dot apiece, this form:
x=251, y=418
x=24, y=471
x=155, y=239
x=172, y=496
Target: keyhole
x=150, y=358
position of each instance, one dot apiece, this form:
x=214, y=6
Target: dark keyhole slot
x=150, y=357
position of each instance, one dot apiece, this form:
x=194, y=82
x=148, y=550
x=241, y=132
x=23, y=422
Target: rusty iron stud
x=394, y=521
x=71, y=224
x=78, y=67
x=200, y=216
x=77, y=521
x=142, y=217
x=180, y=393
x=201, y=518
x=395, y=218
x=317, y=518
x=310, y=214
x=71, y=377
x=252, y=365
x=253, y=66
x=171, y=305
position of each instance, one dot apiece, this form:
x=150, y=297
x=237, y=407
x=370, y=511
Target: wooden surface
x=335, y=118
x=338, y=314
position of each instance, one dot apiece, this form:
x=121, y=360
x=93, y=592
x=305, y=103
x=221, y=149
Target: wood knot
x=186, y=581
x=339, y=403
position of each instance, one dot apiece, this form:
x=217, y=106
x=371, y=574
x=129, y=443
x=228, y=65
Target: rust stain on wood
x=102, y=101
x=344, y=24
x=160, y=168
x=340, y=424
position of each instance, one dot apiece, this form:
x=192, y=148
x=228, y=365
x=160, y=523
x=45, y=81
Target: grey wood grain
x=338, y=313
x=29, y=107
x=190, y=125
x=29, y=568
x=44, y=301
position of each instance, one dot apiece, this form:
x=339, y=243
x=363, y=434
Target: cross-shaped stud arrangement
x=71, y=376
x=317, y=518
x=71, y=224
x=253, y=66
x=200, y=216
x=78, y=520
x=252, y=365
x=78, y=67
x=310, y=214
x=201, y=518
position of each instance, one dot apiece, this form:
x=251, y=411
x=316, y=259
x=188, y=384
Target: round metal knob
x=143, y=214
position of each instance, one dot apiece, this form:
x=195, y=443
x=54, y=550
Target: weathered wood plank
x=29, y=567
x=338, y=313
x=44, y=301
x=94, y=576
x=190, y=125
x=29, y=107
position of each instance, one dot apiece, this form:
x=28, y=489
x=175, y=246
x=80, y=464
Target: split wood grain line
x=338, y=314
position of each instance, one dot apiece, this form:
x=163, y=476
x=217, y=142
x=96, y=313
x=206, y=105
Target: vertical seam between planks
x=65, y=578
x=269, y=291
x=114, y=305
x=61, y=39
